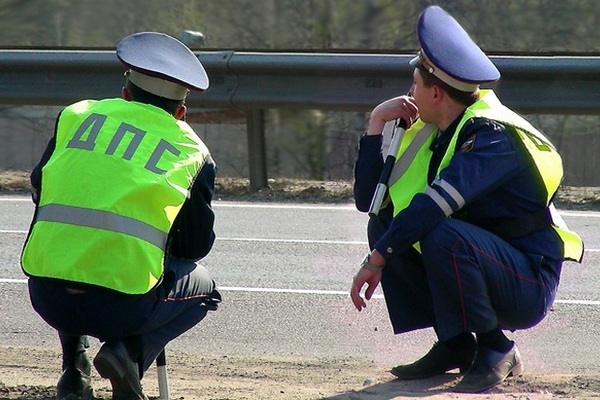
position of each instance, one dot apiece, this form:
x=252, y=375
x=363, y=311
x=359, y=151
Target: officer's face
x=423, y=97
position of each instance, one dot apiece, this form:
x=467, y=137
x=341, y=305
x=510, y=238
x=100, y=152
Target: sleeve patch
x=468, y=144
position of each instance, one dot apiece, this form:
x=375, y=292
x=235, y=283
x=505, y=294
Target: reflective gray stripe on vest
x=409, y=154
x=102, y=220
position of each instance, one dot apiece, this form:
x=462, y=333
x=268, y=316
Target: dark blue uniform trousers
x=177, y=304
x=465, y=279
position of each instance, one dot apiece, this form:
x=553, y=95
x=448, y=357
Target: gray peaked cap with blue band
x=162, y=65
x=448, y=52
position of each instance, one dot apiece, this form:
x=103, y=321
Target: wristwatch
x=366, y=264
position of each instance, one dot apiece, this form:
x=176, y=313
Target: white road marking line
x=294, y=206
x=304, y=206
x=228, y=204
x=23, y=199
x=582, y=302
x=303, y=241
x=306, y=241
x=268, y=240
x=593, y=214
x=319, y=292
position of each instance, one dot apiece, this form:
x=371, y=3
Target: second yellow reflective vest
x=410, y=172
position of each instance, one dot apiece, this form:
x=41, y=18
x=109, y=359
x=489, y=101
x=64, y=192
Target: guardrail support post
x=257, y=154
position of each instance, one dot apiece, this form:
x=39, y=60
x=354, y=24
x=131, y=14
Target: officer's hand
x=401, y=107
x=372, y=279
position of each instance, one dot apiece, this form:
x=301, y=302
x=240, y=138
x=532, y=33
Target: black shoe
x=439, y=360
x=76, y=381
x=489, y=369
x=113, y=362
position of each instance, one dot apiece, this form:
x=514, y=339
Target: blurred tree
x=309, y=137
x=297, y=143
x=499, y=26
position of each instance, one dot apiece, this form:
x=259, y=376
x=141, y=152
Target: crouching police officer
x=123, y=214
x=471, y=244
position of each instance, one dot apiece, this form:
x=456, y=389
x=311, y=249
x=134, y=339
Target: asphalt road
x=285, y=271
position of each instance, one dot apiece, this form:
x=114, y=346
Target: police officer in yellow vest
x=470, y=244
x=123, y=214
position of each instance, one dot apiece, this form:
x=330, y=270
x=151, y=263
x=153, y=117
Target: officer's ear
x=126, y=94
x=180, y=113
x=438, y=92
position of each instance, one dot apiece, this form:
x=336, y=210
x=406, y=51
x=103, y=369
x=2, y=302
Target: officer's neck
x=449, y=111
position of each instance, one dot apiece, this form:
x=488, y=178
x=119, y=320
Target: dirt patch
x=14, y=181
x=31, y=373
x=578, y=198
x=298, y=190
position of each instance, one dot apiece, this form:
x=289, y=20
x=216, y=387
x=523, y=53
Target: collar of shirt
x=438, y=147
x=443, y=137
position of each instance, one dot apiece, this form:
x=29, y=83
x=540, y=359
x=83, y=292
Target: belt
x=511, y=228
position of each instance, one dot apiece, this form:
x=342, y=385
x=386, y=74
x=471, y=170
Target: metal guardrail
x=350, y=82
x=252, y=82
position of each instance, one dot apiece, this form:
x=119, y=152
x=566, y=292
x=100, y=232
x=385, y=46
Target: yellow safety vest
x=409, y=176
x=110, y=192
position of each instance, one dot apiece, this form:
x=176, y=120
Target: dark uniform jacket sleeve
x=367, y=169
x=192, y=235
x=36, y=174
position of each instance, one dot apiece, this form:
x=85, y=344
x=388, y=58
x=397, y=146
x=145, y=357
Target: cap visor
x=414, y=62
